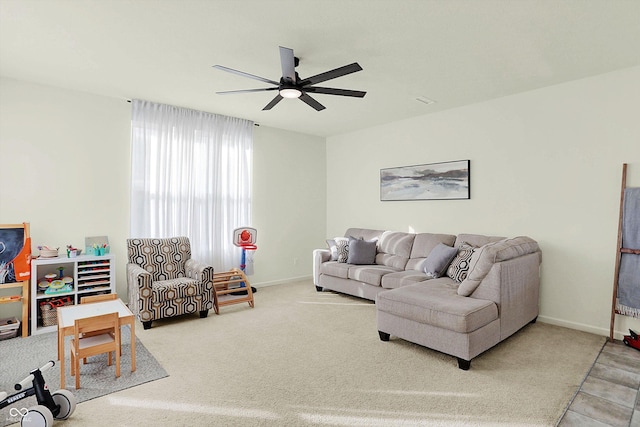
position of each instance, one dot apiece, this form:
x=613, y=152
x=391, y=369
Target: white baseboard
x=580, y=327
x=281, y=281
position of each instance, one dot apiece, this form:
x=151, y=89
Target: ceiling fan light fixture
x=290, y=92
x=291, y=86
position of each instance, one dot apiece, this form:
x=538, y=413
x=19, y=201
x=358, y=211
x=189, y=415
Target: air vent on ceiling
x=425, y=100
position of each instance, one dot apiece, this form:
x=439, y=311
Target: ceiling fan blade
x=311, y=102
x=273, y=102
x=242, y=73
x=333, y=91
x=287, y=61
x=229, y=92
x=338, y=72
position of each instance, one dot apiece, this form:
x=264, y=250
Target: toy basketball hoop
x=245, y=238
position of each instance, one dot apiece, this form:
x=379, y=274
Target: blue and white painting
x=435, y=181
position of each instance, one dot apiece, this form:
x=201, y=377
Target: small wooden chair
x=221, y=282
x=98, y=298
x=83, y=345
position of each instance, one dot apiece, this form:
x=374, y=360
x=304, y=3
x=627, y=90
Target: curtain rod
x=254, y=123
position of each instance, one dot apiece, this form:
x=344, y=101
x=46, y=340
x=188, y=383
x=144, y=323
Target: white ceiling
x=456, y=52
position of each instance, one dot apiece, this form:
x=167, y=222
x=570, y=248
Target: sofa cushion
x=437, y=303
x=486, y=256
x=438, y=260
x=164, y=258
x=181, y=287
x=362, y=251
x=369, y=274
x=476, y=240
x=403, y=278
x=423, y=244
x=459, y=267
x=335, y=268
x=394, y=248
x=363, y=233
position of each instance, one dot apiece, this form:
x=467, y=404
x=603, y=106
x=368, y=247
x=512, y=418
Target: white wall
x=65, y=168
x=289, y=197
x=545, y=163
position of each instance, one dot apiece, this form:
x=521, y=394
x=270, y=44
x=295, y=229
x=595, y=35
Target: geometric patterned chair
x=164, y=281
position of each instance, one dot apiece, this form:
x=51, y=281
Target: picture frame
x=430, y=181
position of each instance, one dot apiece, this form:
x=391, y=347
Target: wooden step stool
x=221, y=282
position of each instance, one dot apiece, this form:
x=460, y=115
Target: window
x=191, y=176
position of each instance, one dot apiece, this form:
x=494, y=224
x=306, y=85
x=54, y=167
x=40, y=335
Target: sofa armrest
x=197, y=270
x=140, y=294
x=203, y=272
x=519, y=292
x=319, y=256
x=486, y=256
x=139, y=276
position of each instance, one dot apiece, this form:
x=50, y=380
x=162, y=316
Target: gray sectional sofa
x=484, y=294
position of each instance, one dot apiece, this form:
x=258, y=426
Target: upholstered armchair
x=164, y=281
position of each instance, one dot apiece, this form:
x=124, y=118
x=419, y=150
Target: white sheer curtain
x=191, y=176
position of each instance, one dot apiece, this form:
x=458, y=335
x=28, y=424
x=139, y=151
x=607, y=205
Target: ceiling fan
x=292, y=86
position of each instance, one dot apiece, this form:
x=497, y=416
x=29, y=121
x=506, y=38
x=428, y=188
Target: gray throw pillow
x=361, y=251
x=439, y=259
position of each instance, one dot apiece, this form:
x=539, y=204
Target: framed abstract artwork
x=433, y=181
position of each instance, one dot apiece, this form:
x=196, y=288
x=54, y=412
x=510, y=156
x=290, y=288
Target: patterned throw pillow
x=342, y=247
x=459, y=267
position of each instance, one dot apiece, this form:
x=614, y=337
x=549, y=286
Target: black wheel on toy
x=626, y=343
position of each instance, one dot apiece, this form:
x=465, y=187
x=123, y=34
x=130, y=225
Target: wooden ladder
x=620, y=250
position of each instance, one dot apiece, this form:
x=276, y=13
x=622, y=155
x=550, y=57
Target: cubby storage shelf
x=91, y=275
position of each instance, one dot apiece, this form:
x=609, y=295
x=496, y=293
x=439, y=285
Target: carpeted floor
x=302, y=358
x=19, y=356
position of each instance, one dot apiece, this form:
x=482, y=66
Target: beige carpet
x=304, y=358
